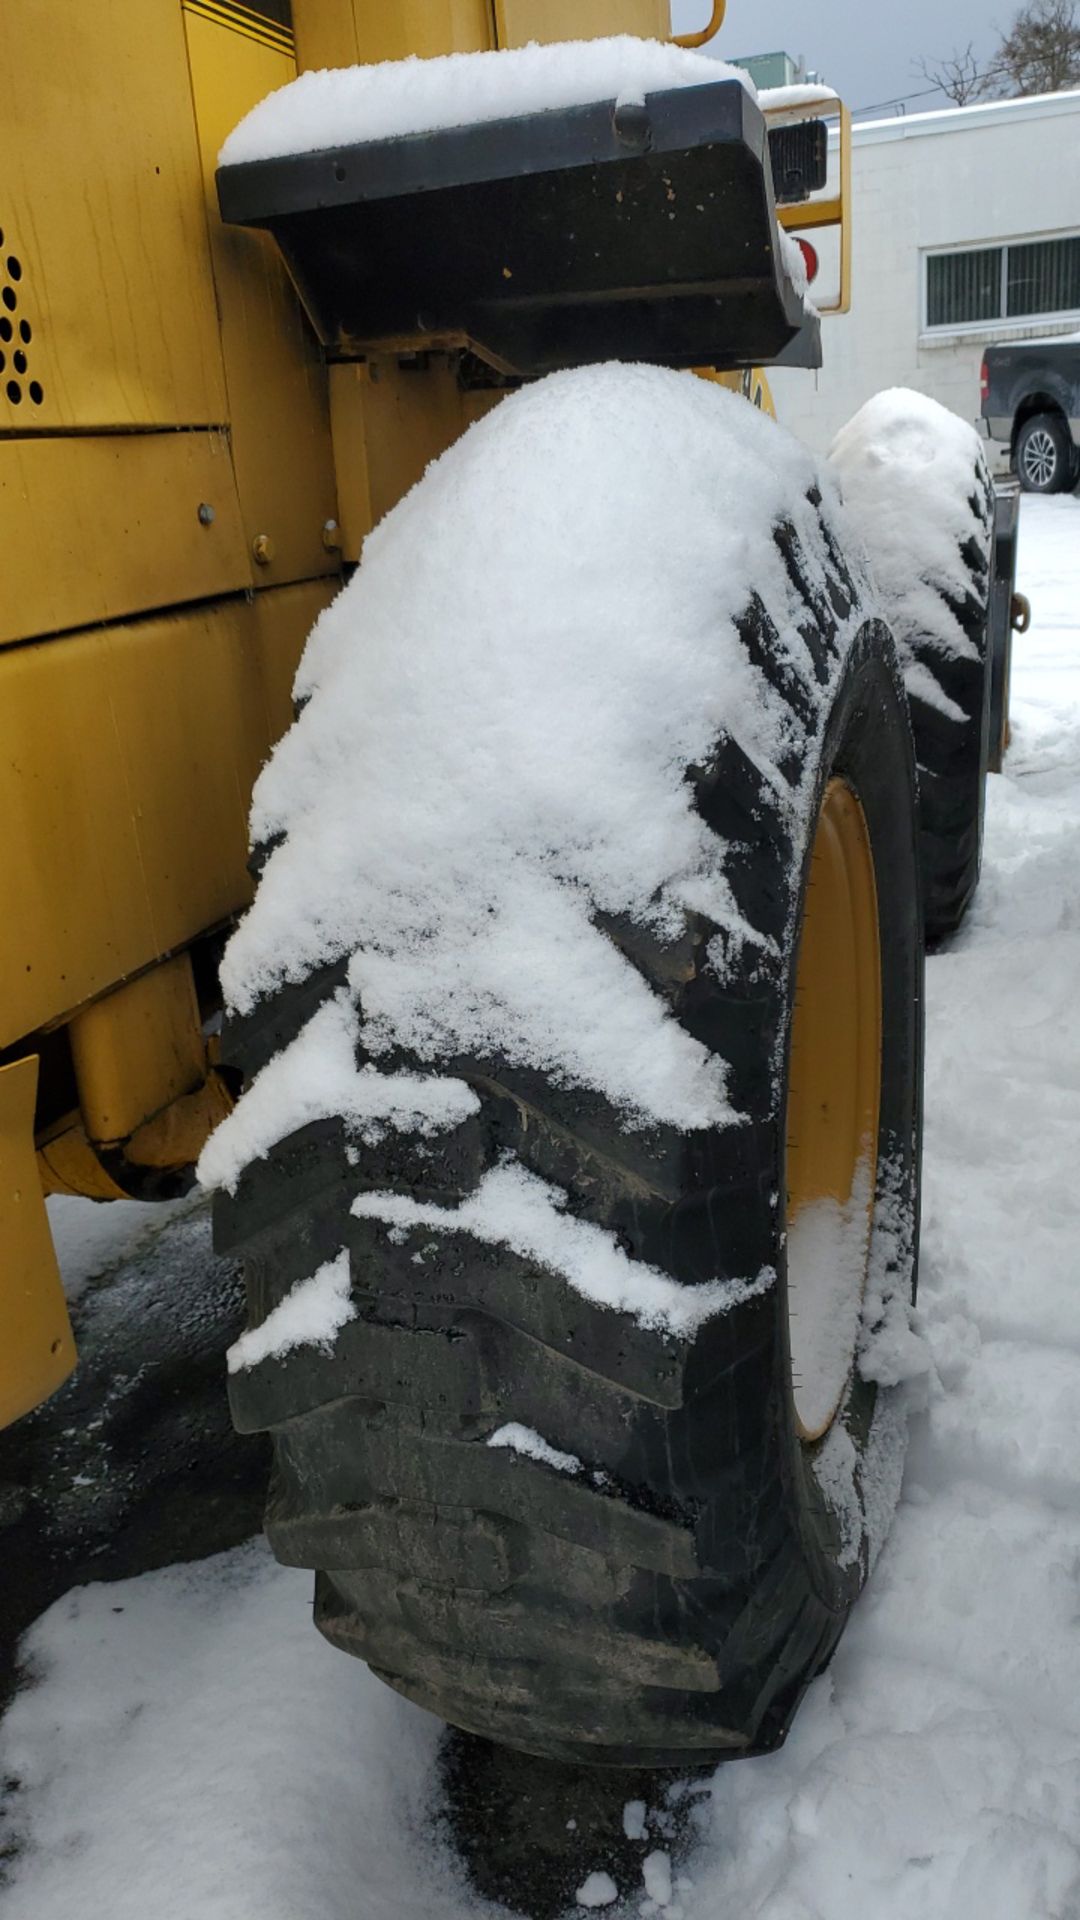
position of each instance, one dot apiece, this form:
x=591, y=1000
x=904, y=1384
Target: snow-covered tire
x=653, y=1563
x=915, y=479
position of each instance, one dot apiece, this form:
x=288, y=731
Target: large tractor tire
x=915, y=481
x=594, y=1452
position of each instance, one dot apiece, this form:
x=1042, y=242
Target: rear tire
x=669, y=1599
x=904, y=461
x=1045, y=455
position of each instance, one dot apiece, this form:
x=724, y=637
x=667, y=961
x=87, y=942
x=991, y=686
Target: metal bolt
x=263, y=549
x=206, y=514
x=331, y=536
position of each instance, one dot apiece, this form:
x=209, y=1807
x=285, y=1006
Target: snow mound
x=909, y=471
x=340, y=106
x=502, y=706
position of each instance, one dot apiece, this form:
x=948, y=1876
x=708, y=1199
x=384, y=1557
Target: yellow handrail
x=835, y=212
x=707, y=33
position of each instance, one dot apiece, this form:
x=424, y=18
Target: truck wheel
x=916, y=482
x=625, y=1532
x=1045, y=456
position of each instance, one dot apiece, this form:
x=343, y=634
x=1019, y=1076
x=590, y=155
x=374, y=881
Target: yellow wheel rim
x=834, y=1091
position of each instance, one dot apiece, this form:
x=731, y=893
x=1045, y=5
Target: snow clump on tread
x=526, y=1441
x=316, y=1078
x=514, y=1208
x=916, y=486
x=503, y=710
x=312, y=1314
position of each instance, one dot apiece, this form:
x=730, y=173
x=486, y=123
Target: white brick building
x=966, y=231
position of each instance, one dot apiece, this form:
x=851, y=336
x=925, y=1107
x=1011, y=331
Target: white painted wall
x=1008, y=170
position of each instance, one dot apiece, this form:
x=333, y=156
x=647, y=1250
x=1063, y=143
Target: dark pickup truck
x=1031, y=406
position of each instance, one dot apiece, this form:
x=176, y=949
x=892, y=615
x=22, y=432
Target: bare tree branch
x=1041, y=51
x=960, y=75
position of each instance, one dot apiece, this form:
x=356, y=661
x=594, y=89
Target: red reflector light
x=809, y=254
x=984, y=381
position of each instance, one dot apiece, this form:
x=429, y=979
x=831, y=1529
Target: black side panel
x=546, y=241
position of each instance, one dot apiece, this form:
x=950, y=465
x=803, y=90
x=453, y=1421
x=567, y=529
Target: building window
x=962, y=288
x=1044, y=277
x=1018, y=281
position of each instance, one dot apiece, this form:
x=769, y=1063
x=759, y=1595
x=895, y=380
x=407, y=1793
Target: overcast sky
x=866, y=49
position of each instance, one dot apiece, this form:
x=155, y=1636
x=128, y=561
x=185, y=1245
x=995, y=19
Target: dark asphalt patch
x=133, y=1464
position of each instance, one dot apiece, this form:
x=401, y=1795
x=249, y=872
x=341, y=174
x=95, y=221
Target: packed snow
x=794, y=100
x=514, y=1208
x=340, y=106
x=597, y=1890
x=656, y=1873
x=188, y=1745
x=827, y=1246
x=907, y=468
x=312, y=1314
x=633, y=1819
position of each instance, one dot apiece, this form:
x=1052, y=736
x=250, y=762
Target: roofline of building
x=911, y=126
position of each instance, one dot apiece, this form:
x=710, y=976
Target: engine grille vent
x=16, y=333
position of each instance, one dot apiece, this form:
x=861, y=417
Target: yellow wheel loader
x=575, y=1165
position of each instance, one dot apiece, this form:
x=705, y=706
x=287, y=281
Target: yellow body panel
x=520, y=21
x=338, y=33
x=125, y=790
x=751, y=382
x=97, y=527
x=278, y=409
x=137, y=1049
x=175, y=1137
x=67, y=1163
x=390, y=422
x=103, y=210
x=163, y=366
x=38, y=1350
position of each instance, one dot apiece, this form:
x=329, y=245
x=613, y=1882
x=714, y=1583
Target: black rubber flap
x=639, y=232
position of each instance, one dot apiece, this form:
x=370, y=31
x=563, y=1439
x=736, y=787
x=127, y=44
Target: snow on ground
x=93, y=1237
x=191, y=1748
